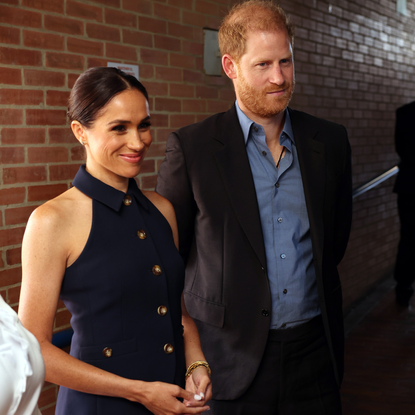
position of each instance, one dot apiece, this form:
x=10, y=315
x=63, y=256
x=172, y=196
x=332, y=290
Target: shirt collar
x=246, y=124
x=104, y=193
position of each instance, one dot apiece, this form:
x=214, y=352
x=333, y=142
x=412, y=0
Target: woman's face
x=118, y=139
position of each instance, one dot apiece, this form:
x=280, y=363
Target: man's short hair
x=247, y=17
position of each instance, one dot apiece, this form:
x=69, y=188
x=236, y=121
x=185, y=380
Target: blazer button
x=265, y=312
x=142, y=234
x=162, y=310
x=156, y=270
x=127, y=200
x=107, y=352
x=168, y=348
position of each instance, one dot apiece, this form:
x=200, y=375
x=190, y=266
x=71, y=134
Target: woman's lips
x=131, y=158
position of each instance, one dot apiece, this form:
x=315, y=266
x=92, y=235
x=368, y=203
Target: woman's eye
x=119, y=128
x=144, y=125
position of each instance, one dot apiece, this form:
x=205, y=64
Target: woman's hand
x=161, y=399
x=200, y=385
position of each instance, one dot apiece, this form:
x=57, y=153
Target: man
x=404, y=186
x=262, y=195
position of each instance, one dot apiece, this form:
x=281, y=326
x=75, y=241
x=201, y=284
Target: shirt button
x=285, y=291
x=127, y=200
x=107, y=352
x=277, y=185
x=255, y=129
x=265, y=312
x=283, y=256
x=162, y=310
x=279, y=220
x=156, y=270
x=168, y=348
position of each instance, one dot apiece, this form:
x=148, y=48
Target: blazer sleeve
x=173, y=183
x=344, y=204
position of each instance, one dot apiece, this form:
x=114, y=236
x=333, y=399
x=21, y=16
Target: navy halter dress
x=124, y=294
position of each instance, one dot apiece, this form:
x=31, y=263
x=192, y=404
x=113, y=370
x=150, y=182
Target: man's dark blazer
x=207, y=177
x=405, y=147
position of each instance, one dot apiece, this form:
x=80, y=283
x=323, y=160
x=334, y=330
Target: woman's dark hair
x=94, y=89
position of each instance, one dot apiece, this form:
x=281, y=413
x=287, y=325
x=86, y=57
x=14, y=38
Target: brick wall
x=354, y=65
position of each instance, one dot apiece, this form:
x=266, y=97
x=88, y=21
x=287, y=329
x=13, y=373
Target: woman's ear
x=79, y=132
x=229, y=66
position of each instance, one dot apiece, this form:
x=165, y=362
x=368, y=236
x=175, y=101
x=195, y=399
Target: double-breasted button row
x=168, y=348
x=162, y=310
x=107, y=352
x=142, y=234
x=156, y=270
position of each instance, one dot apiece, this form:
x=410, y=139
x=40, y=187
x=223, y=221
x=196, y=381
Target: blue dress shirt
x=285, y=225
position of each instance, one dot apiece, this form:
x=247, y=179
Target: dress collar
x=106, y=194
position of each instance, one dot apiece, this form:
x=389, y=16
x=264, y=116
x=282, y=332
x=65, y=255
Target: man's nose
x=277, y=76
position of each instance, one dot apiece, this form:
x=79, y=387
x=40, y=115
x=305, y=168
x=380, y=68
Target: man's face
x=265, y=74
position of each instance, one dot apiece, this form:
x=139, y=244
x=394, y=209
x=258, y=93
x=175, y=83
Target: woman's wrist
x=193, y=366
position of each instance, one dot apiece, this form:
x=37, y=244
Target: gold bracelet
x=195, y=365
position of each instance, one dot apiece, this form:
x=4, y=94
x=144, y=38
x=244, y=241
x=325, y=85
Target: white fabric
x=22, y=370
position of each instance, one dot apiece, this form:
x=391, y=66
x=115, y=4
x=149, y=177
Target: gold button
x=168, y=348
x=142, y=234
x=162, y=310
x=156, y=270
x=107, y=352
x=127, y=200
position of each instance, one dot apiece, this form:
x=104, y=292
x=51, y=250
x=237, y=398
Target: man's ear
x=229, y=66
x=79, y=131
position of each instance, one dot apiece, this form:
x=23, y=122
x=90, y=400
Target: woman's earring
x=83, y=142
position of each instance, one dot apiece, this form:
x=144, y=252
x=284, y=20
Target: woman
x=108, y=251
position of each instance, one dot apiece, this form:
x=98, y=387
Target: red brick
x=22, y=135
x=148, y=166
x=23, y=57
x=11, y=155
x=178, y=30
x=16, y=216
x=181, y=120
x=45, y=117
x=119, y=18
x=13, y=294
x=2, y=293
x=20, y=97
x=194, y=19
x=182, y=61
x=169, y=74
x=10, y=76
x=156, y=88
x=63, y=172
x=61, y=135
x=85, y=47
x=227, y=95
x=149, y=182
x=166, y=12
x=219, y=80
x=62, y=318
x=45, y=5
x=11, y=236
x=142, y=6
x=192, y=48
x=50, y=410
x=47, y=154
x=137, y=38
x=11, y=2
x=64, y=61
x=45, y=192
x=206, y=7
x=217, y=106
x=17, y=17
x=183, y=4
x=182, y=90
x=78, y=153
x=194, y=105
x=121, y=52
x=84, y=11
x=34, y=77
x=9, y=35
x=168, y=104
x=14, y=175
x=57, y=98
x=12, y=275
x=166, y=42
x=206, y=92
x=64, y=25
x=213, y=22
x=11, y=116
x=12, y=196
x=193, y=77
x=159, y=120
x=47, y=396
x=103, y=32
x=92, y=62
x=13, y=256
x=154, y=56
x=146, y=71
x=152, y=25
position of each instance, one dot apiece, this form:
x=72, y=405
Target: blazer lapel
x=235, y=170
x=311, y=156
